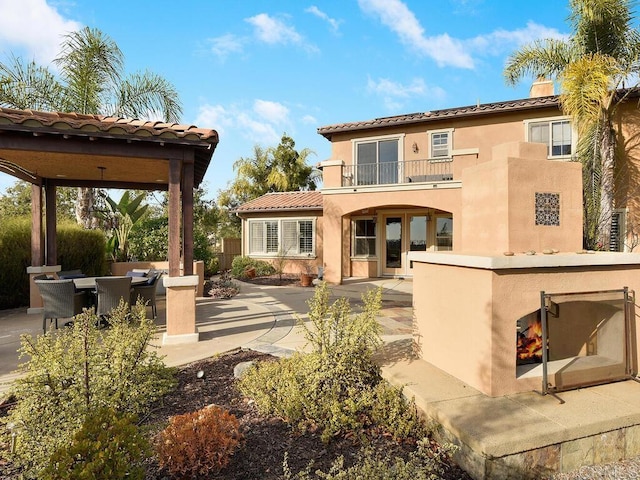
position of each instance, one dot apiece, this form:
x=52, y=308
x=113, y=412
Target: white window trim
x=296, y=254
x=353, y=238
x=574, y=134
x=397, y=136
x=449, y=132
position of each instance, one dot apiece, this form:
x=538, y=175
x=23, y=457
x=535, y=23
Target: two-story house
x=393, y=185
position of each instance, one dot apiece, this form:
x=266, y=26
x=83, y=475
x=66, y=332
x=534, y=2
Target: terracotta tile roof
x=103, y=126
x=283, y=201
x=420, y=117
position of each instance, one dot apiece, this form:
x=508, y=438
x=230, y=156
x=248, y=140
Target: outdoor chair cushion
x=133, y=273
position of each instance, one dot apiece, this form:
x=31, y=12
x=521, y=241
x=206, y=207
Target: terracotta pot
x=250, y=272
x=306, y=279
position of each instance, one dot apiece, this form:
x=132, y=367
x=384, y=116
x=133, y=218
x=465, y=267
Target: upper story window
x=376, y=160
x=288, y=237
x=555, y=133
x=440, y=144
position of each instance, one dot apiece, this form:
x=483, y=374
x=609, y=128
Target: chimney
x=541, y=88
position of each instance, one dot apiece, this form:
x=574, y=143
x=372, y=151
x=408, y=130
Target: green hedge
x=77, y=249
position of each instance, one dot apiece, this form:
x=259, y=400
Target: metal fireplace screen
x=585, y=338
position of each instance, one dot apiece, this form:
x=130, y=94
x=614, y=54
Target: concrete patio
x=502, y=437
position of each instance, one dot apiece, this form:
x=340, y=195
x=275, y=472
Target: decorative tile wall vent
x=548, y=209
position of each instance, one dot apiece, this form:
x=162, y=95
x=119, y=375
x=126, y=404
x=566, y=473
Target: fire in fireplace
x=529, y=339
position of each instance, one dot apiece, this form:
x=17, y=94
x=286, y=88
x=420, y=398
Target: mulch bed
x=266, y=439
x=286, y=280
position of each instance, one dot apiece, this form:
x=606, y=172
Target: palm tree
x=90, y=81
x=592, y=66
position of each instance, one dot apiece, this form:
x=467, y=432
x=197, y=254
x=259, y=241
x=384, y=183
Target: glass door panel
x=393, y=245
x=417, y=235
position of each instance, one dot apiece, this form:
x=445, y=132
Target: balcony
x=393, y=173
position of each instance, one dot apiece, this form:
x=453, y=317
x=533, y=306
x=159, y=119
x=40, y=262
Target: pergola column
x=181, y=290
x=38, y=266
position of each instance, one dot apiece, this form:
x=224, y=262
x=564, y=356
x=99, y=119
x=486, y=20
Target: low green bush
x=108, y=446
x=423, y=464
x=81, y=249
x=75, y=371
x=336, y=387
x=240, y=264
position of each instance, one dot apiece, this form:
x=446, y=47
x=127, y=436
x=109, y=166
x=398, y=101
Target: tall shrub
x=15, y=257
x=77, y=249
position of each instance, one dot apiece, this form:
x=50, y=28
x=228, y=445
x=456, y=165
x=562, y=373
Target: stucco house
x=393, y=185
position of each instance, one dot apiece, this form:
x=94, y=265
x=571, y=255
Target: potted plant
x=307, y=274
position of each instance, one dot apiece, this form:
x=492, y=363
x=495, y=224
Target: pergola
x=51, y=150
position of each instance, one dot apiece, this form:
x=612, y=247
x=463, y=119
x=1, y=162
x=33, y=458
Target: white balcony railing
x=390, y=173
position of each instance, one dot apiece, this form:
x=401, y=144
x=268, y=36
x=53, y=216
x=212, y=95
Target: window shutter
x=306, y=236
x=257, y=237
x=289, y=237
x=615, y=241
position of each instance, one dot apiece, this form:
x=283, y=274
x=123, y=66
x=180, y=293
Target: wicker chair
x=147, y=293
x=110, y=290
x=60, y=300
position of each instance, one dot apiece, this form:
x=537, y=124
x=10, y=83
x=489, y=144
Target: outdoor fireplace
x=523, y=338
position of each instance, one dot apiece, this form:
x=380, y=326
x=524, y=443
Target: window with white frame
x=444, y=233
x=376, y=161
x=284, y=236
x=364, y=237
x=440, y=144
x=555, y=133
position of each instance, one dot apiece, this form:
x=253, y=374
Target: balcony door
x=403, y=233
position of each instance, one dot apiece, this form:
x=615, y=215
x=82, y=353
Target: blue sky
x=254, y=69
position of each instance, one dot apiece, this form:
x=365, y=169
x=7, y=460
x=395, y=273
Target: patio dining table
x=89, y=283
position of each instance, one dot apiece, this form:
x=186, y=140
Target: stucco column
x=332, y=244
x=35, y=300
x=181, y=310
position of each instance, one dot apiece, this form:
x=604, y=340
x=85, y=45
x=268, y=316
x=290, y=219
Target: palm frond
x=143, y=95
x=90, y=63
x=27, y=85
x=587, y=89
x=542, y=58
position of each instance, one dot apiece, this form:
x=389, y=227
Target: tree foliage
x=599, y=57
x=274, y=169
x=91, y=80
x=16, y=201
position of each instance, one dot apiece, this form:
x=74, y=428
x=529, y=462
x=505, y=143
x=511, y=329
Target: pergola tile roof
x=107, y=125
x=73, y=149
x=458, y=112
x=283, y=201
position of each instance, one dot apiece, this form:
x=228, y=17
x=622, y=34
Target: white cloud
x=253, y=124
x=394, y=93
x=273, y=112
x=274, y=31
x=500, y=41
x=225, y=45
x=309, y=120
x=394, y=14
x=335, y=24
x=33, y=27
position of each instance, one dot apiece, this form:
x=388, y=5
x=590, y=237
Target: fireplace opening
x=587, y=340
x=529, y=339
